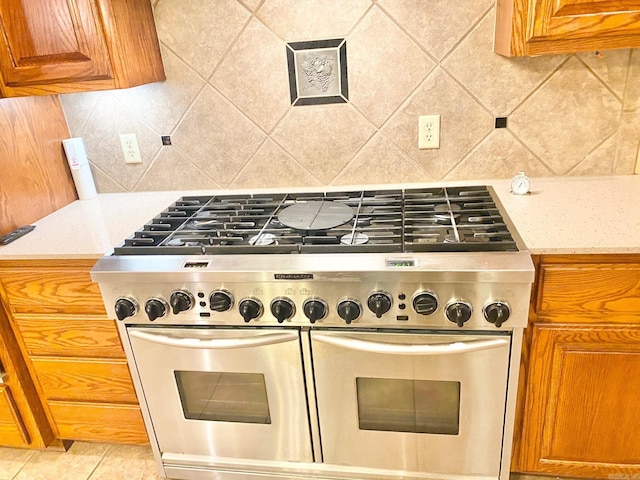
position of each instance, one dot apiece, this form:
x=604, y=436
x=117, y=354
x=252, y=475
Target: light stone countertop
x=562, y=215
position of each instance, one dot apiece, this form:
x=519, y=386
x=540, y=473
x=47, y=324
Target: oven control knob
x=349, y=310
x=315, y=309
x=250, y=309
x=220, y=301
x=125, y=308
x=283, y=308
x=155, y=308
x=379, y=303
x=497, y=313
x=180, y=301
x=425, y=303
x=458, y=312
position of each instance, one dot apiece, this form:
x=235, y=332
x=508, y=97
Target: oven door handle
x=216, y=343
x=404, y=349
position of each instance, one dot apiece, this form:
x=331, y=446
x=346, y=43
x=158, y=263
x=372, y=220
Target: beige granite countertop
x=561, y=215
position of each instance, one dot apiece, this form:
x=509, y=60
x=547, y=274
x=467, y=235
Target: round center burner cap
x=357, y=238
x=315, y=215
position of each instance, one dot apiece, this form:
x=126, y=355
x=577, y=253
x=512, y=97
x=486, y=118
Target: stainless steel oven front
x=231, y=403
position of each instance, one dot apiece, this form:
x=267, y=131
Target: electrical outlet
x=428, y=131
x=130, y=148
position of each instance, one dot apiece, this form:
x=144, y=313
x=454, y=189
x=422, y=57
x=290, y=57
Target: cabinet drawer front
x=52, y=291
x=12, y=430
x=99, y=422
x=590, y=290
x=70, y=336
x=85, y=380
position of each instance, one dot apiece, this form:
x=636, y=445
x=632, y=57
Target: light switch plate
x=428, y=131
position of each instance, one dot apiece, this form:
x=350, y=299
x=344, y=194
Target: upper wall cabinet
x=65, y=46
x=537, y=27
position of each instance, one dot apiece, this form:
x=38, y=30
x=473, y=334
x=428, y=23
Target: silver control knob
x=425, y=303
x=315, y=309
x=250, y=309
x=458, y=312
x=126, y=307
x=181, y=301
x=497, y=313
x=379, y=303
x=349, y=309
x=155, y=308
x=220, y=300
x=283, y=308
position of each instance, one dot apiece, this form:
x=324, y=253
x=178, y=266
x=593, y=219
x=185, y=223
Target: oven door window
x=416, y=406
x=223, y=396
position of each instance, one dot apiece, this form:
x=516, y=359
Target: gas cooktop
x=451, y=219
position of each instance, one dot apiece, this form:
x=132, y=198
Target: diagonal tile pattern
x=339, y=132
x=501, y=84
x=199, y=31
x=438, y=25
x=296, y=20
x=567, y=118
x=463, y=123
x=231, y=141
x=254, y=76
x=226, y=101
x=376, y=40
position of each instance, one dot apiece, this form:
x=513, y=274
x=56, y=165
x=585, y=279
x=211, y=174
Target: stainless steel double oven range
x=334, y=335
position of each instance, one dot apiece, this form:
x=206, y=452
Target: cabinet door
x=581, y=416
x=555, y=26
x=12, y=429
x=51, y=41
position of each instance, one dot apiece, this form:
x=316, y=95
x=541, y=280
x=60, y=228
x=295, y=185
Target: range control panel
x=337, y=304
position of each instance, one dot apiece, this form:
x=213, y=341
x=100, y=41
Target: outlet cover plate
x=130, y=148
x=428, y=131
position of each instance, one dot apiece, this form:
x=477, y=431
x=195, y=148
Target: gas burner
x=452, y=219
x=354, y=239
x=263, y=239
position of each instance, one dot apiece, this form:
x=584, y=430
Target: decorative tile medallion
x=318, y=72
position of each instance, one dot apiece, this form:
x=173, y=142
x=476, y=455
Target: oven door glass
x=228, y=393
x=426, y=403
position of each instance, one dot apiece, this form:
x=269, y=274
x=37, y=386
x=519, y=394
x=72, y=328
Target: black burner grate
x=414, y=220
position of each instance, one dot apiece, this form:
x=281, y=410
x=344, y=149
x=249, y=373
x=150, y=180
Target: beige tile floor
x=95, y=461
x=83, y=461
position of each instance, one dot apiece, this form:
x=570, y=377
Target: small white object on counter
x=80, y=170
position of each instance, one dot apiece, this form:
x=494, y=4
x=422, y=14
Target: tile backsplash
x=226, y=102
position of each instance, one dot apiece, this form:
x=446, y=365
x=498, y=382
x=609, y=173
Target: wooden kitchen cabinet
x=23, y=422
x=579, y=415
x=73, y=350
x=538, y=27
x=66, y=46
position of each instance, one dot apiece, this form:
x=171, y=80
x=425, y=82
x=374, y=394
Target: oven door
x=234, y=393
x=427, y=403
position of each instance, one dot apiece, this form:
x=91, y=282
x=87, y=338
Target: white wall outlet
x=428, y=131
x=130, y=148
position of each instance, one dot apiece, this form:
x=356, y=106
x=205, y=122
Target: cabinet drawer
x=70, y=336
x=52, y=290
x=99, y=422
x=593, y=290
x=85, y=380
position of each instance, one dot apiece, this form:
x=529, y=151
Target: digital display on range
x=401, y=263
